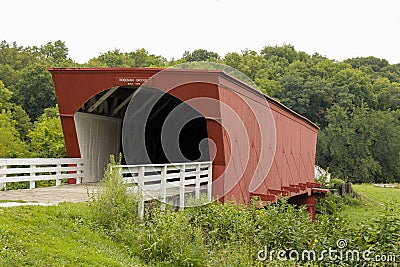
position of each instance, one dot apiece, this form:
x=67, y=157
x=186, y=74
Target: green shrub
x=231, y=234
x=168, y=239
x=332, y=203
x=335, y=183
x=383, y=234
x=114, y=206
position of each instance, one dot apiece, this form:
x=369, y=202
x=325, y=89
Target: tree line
x=355, y=102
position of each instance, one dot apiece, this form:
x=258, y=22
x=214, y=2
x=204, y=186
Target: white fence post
x=3, y=186
x=58, y=173
x=209, y=184
x=163, y=186
x=79, y=173
x=182, y=186
x=120, y=173
x=197, y=186
x=32, y=183
x=141, y=186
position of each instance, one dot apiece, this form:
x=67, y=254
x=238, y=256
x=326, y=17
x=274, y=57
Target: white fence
x=173, y=181
x=40, y=169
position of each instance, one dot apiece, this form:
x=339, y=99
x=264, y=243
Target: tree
x=345, y=145
x=386, y=145
x=200, y=55
x=11, y=145
x=293, y=87
x=392, y=72
x=387, y=93
x=376, y=64
x=5, y=96
x=137, y=58
x=18, y=114
x=9, y=76
x=46, y=137
x=17, y=57
x=56, y=51
x=248, y=62
x=112, y=59
x=234, y=60
x=142, y=58
x=35, y=91
x=352, y=88
x=361, y=145
x=286, y=51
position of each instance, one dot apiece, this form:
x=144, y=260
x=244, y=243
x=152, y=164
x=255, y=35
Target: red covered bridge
x=258, y=147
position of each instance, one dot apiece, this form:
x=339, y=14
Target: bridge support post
x=308, y=201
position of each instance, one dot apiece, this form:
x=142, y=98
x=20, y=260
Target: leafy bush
x=168, y=239
x=230, y=234
x=114, y=206
x=332, y=203
x=336, y=183
x=383, y=234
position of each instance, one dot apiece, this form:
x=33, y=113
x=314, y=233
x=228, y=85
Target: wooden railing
x=40, y=169
x=173, y=181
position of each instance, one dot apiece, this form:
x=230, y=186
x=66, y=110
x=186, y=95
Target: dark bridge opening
x=174, y=132
x=159, y=128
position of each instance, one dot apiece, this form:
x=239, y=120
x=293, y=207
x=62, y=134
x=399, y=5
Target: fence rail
x=173, y=180
x=40, y=169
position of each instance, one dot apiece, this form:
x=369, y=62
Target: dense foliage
x=233, y=235
x=355, y=102
x=83, y=234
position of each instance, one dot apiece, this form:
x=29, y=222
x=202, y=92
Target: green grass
x=56, y=236
x=69, y=235
x=373, y=200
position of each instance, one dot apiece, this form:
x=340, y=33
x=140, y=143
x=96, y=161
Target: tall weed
x=114, y=206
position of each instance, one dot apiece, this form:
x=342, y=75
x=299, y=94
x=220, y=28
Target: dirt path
x=48, y=195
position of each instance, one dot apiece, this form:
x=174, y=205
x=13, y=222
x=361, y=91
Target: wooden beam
x=291, y=189
x=102, y=99
x=265, y=197
x=90, y=102
x=278, y=192
x=301, y=187
x=120, y=106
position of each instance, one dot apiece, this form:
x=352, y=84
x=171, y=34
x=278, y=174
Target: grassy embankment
x=372, y=200
x=56, y=236
x=68, y=234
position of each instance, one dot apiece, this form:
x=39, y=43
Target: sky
x=336, y=29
